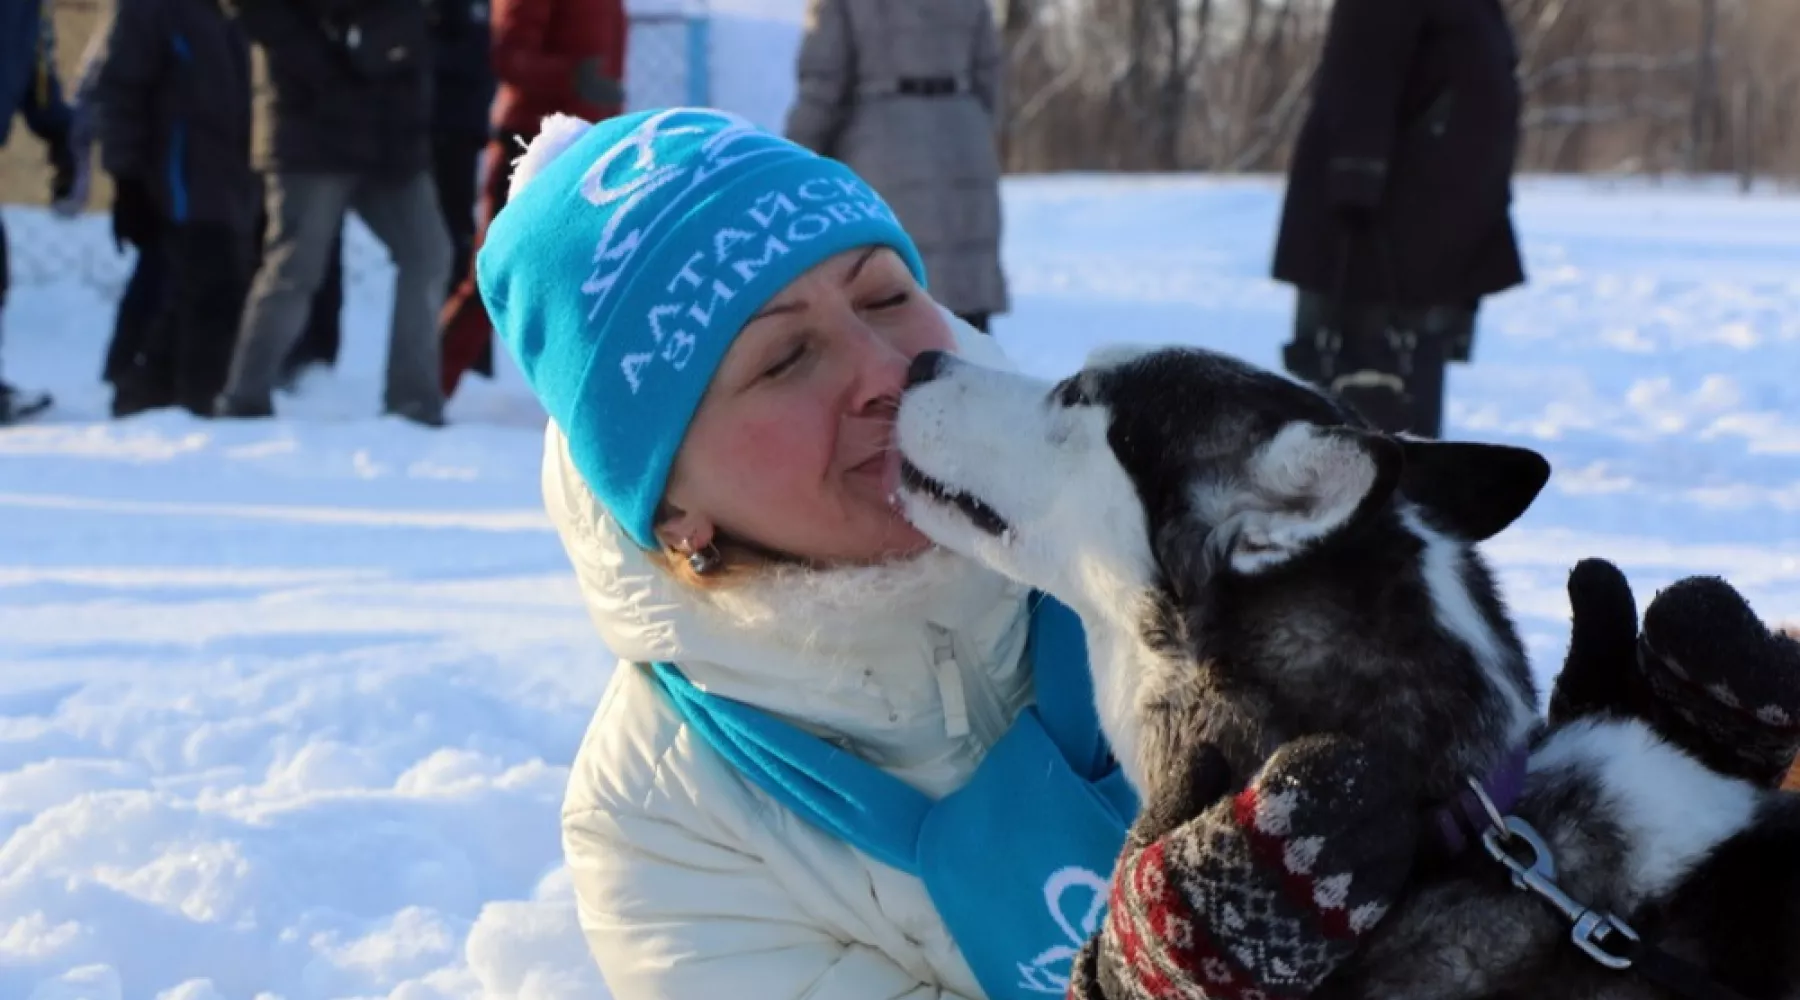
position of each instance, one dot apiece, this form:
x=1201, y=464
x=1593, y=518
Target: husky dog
x=1253, y=564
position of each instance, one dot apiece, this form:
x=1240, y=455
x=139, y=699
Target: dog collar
x=1460, y=821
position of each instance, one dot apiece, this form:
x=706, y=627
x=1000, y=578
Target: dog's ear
x=1306, y=484
x=1115, y=355
x=1471, y=490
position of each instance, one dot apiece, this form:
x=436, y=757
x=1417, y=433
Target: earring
x=705, y=561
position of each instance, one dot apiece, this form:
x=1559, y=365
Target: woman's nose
x=883, y=376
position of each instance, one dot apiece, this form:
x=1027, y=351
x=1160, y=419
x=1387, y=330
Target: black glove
x=62, y=166
x=1704, y=672
x=594, y=86
x=1265, y=893
x=135, y=219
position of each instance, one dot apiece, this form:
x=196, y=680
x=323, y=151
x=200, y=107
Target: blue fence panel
x=668, y=59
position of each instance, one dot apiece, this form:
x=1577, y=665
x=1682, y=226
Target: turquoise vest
x=1018, y=861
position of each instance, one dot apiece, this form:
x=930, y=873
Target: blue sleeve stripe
x=178, y=190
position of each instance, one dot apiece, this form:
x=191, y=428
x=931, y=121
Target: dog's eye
x=1071, y=392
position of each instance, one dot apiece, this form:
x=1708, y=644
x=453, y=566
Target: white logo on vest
x=1049, y=971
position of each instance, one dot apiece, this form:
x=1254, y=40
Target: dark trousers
x=139, y=308
x=186, y=350
x=146, y=294
x=468, y=334
x=1386, y=364
x=209, y=268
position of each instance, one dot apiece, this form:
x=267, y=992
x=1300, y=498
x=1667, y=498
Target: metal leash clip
x=1591, y=931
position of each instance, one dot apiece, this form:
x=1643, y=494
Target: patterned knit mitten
x=1264, y=894
x=1721, y=683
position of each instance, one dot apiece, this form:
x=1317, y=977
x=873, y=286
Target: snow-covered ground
x=286, y=707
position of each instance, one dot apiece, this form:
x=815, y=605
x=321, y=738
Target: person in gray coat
x=174, y=121
x=343, y=106
x=908, y=95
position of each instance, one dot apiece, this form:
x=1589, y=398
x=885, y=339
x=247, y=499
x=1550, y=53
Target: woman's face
x=792, y=447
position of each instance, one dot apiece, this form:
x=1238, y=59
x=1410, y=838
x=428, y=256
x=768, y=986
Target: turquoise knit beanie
x=631, y=253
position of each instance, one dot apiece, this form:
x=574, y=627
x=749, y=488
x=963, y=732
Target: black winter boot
x=18, y=404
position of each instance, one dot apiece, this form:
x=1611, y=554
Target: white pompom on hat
x=556, y=135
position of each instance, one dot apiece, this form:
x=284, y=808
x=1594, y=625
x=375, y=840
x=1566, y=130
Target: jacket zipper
x=952, y=689
x=986, y=718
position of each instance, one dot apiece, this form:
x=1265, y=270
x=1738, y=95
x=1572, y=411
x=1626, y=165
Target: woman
x=908, y=95
x=835, y=762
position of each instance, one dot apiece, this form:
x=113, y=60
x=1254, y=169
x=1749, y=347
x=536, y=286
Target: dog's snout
x=927, y=366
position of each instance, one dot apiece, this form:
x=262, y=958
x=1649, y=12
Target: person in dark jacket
x=1397, y=217
x=343, y=108
x=549, y=56
x=174, y=97
x=145, y=291
x=141, y=303
x=29, y=87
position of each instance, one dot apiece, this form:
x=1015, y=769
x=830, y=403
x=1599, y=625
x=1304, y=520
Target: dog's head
x=1169, y=468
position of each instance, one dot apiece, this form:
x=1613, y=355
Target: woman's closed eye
x=893, y=301
x=788, y=361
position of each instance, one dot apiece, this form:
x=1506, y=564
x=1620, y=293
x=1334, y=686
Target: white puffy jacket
x=695, y=885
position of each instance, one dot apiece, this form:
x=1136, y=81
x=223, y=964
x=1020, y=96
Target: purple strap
x=1462, y=819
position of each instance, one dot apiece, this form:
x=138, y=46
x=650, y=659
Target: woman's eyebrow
x=784, y=308
x=776, y=310
x=856, y=268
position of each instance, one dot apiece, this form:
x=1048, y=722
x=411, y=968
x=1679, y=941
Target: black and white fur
x=1253, y=564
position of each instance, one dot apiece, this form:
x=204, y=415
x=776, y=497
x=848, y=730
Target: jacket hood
x=893, y=659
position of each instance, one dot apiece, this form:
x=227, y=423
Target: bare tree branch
x=1700, y=85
